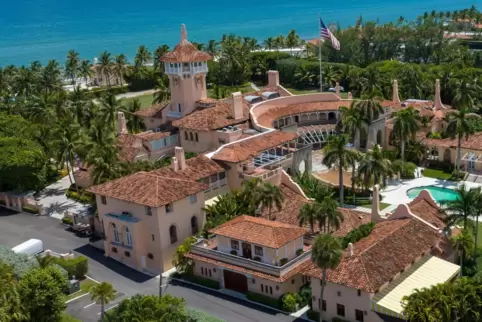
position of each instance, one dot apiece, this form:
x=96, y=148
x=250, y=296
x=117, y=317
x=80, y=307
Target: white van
x=30, y=247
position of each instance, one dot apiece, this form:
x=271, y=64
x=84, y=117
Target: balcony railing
x=174, y=115
x=199, y=249
x=262, y=175
x=185, y=69
x=216, y=184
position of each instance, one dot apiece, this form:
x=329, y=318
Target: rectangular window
x=271, y=290
x=148, y=211
x=235, y=244
x=192, y=199
x=152, y=236
x=186, y=136
x=359, y=292
x=209, y=273
x=359, y=315
x=103, y=199
x=221, y=141
x=169, y=207
x=340, y=309
x=202, y=271
x=262, y=288
x=323, y=307
x=258, y=250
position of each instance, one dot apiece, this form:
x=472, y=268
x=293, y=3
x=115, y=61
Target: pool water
x=439, y=194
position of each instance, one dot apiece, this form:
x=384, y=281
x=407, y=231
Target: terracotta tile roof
x=259, y=231
x=212, y=118
x=427, y=212
x=296, y=270
x=391, y=247
x=473, y=143
x=155, y=111
x=84, y=173
x=267, y=118
x=323, y=127
x=151, y=135
x=148, y=189
x=251, y=147
x=197, y=168
x=185, y=52
x=130, y=146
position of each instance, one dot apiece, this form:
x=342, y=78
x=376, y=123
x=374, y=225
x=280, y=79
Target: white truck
x=31, y=247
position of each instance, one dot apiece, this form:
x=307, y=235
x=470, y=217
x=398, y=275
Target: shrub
x=263, y=299
x=357, y=234
x=201, y=281
x=76, y=267
x=312, y=315
x=30, y=210
x=458, y=175
x=198, y=316
x=288, y=302
x=21, y=263
x=257, y=258
x=299, y=252
x=283, y=261
x=233, y=252
x=408, y=169
x=80, y=196
x=67, y=221
x=64, y=172
x=305, y=295
x=440, y=165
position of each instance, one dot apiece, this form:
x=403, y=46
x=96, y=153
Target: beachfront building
x=249, y=254
x=105, y=76
x=406, y=249
x=146, y=216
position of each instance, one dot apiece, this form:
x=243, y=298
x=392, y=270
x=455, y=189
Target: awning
x=427, y=272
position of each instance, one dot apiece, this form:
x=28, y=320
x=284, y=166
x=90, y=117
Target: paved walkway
x=54, y=201
x=134, y=94
x=253, y=86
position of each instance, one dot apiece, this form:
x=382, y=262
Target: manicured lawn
x=200, y=316
x=436, y=174
x=85, y=286
x=384, y=205
x=146, y=100
x=311, y=91
x=68, y=318
x=245, y=88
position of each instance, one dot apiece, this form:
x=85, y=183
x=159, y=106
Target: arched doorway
x=302, y=167
x=380, y=138
x=363, y=139
x=331, y=116
x=447, y=155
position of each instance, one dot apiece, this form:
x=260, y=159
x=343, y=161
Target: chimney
x=337, y=89
x=350, y=96
x=376, y=204
x=183, y=32
x=181, y=160
x=395, y=96
x=350, y=249
x=237, y=106
x=121, y=123
x=174, y=164
x=438, y=101
x=273, y=78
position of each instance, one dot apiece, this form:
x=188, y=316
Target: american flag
x=325, y=33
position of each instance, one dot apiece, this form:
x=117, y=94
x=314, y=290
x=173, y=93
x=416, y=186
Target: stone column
x=337, y=89
x=395, y=96
x=437, y=99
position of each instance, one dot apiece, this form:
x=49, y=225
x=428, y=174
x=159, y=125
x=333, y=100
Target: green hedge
x=200, y=316
x=263, y=299
x=30, y=210
x=67, y=221
x=81, y=196
x=21, y=263
x=201, y=281
x=408, y=169
x=77, y=267
x=357, y=234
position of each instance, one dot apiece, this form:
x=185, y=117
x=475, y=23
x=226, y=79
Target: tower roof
x=185, y=52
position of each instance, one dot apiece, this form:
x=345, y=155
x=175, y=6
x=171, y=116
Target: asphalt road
x=16, y=228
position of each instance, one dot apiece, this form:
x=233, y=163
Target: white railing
x=174, y=114
x=186, y=69
x=198, y=248
x=217, y=184
x=262, y=175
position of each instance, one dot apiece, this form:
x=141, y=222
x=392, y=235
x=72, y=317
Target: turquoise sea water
x=47, y=29
x=439, y=194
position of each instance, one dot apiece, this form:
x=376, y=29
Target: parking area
x=86, y=310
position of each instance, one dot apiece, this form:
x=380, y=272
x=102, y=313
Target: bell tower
x=186, y=67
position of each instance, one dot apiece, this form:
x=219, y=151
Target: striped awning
x=426, y=272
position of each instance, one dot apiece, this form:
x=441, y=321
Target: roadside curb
x=76, y=298
x=22, y=211
x=238, y=298
x=90, y=278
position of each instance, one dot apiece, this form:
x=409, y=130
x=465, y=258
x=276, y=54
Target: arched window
x=191, y=136
x=194, y=226
x=128, y=237
x=115, y=233
x=197, y=138
x=173, y=234
x=186, y=137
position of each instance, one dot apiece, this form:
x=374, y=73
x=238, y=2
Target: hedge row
x=30, y=210
x=67, y=221
x=263, y=299
x=83, y=196
x=201, y=281
x=76, y=268
x=357, y=234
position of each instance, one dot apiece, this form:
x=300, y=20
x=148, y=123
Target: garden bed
x=85, y=286
x=206, y=282
x=266, y=300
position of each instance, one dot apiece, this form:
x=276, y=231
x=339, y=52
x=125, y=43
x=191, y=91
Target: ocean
x=46, y=29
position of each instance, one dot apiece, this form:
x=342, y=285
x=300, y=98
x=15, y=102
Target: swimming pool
x=439, y=194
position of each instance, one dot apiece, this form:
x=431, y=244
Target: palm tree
x=105, y=163
x=158, y=53
x=405, y=127
x=336, y=152
x=109, y=106
x=463, y=244
x=333, y=217
x=465, y=93
x=67, y=140
x=85, y=71
x=50, y=77
x=133, y=121
x=44, y=261
x=105, y=66
x=374, y=168
x=251, y=190
x=461, y=208
x=162, y=92
x=292, y=40
x=270, y=196
x=212, y=47
x=309, y=213
x=353, y=121
x=72, y=64
x=459, y=126
x=269, y=43
x=102, y=293
x=370, y=108
x=325, y=254
x=478, y=213
x=142, y=57
x=120, y=66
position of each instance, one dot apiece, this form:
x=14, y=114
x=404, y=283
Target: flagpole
x=319, y=54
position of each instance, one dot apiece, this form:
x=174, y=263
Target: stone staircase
x=471, y=177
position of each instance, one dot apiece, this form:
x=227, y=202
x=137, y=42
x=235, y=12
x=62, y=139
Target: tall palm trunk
x=323, y=284
x=356, y=142
x=462, y=256
x=102, y=310
x=353, y=177
x=403, y=153
x=71, y=161
x=476, y=233
x=340, y=177
x=459, y=152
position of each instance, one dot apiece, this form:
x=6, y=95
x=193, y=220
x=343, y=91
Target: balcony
x=205, y=248
x=124, y=216
x=262, y=174
x=190, y=68
x=174, y=114
x=216, y=184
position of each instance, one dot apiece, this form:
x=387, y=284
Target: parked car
x=31, y=247
x=333, y=89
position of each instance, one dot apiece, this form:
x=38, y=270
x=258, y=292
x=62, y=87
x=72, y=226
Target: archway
x=447, y=155
x=434, y=154
x=302, y=167
x=380, y=138
x=363, y=139
x=331, y=116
